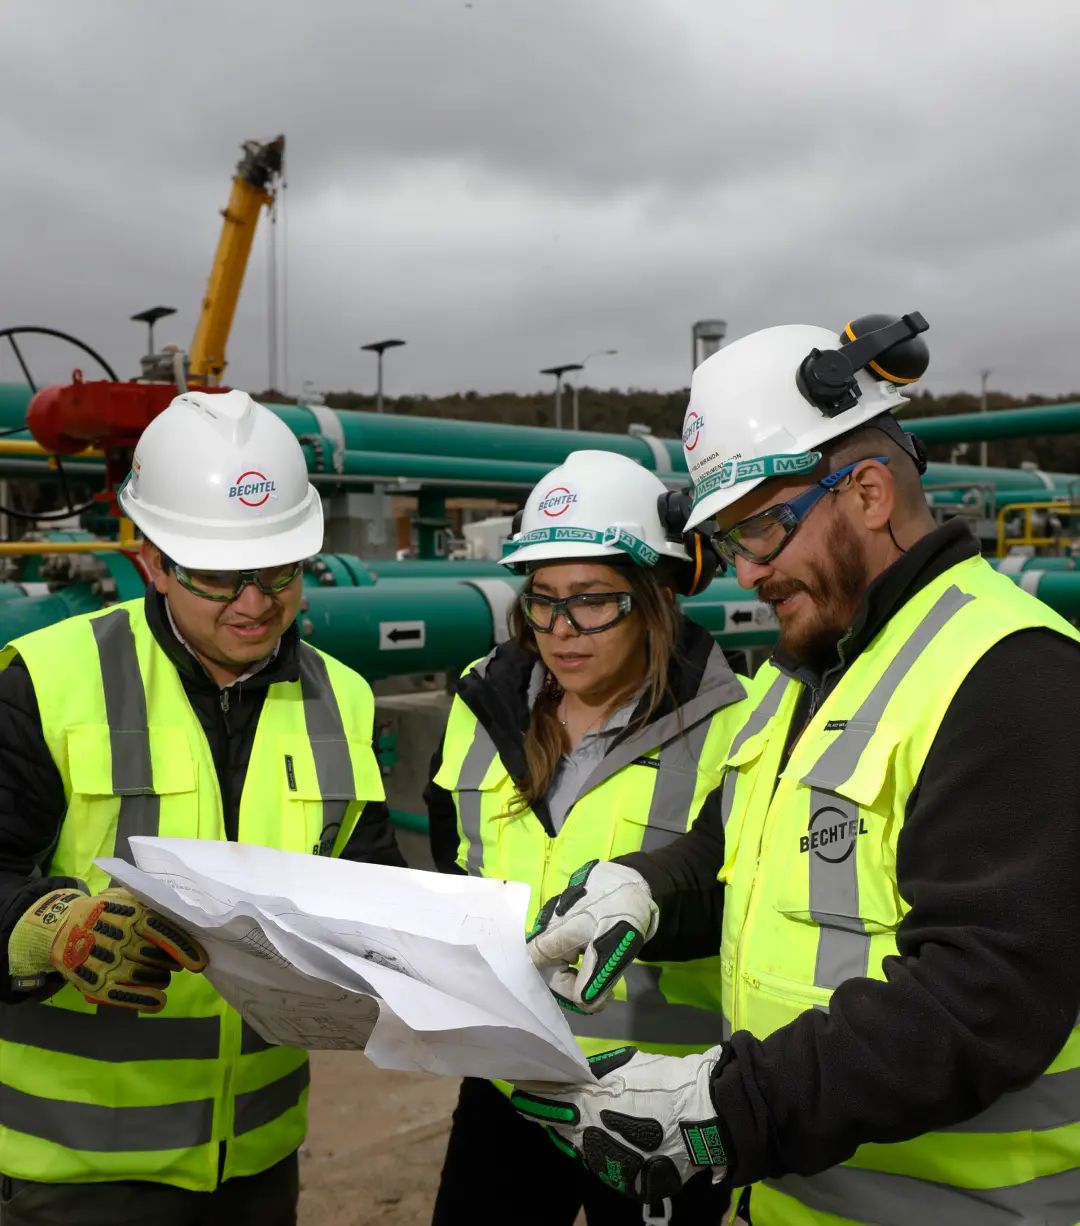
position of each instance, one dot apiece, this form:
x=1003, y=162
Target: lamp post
x=983, y=445
x=558, y=372
x=596, y=353
x=706, y=337
x=150, y=317
x=379, y=348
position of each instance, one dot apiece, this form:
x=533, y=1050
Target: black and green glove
x=644, y=1127
x=604, y=916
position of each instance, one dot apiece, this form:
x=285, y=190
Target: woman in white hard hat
x=597, y=730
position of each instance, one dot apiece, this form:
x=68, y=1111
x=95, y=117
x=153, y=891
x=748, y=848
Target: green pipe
x=1035, y=562
x=418, y=568
x=1036, y=422
x=1003, y=497
x=1060, y=590
x=413, y=822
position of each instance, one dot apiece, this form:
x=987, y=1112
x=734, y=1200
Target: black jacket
x=986, y=987
x=32, y=804
x=499, y=700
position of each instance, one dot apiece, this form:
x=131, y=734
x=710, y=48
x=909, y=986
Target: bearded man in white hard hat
x=900, y=839
x=194, y=713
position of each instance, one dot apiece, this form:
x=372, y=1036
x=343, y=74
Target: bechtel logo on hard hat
x=691, y=433
x=252, y=488
x=557, y=501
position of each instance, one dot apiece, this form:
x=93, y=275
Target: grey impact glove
x=605, y=915
x=644, y=1128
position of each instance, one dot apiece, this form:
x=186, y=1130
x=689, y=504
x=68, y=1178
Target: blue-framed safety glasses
x=761, y=537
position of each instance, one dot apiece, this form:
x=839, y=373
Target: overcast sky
x=509, y=184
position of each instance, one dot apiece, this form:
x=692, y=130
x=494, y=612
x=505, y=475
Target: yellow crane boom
x=253, y=186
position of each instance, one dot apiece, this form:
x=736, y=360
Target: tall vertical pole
x=558, y=401
x=378, y=386
x=984, y=446
x=577, y=415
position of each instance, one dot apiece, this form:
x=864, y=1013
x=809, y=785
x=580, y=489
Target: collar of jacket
x=928, y=558
x=700, y=682
x=284, y=667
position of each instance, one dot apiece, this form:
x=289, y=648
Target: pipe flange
x=500, y=597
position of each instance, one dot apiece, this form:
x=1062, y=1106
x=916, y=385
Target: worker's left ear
x=873, y=486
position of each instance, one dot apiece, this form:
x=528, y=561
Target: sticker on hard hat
x=692, y=428
x=557, y=501
x=253, y=488
x=735, y=472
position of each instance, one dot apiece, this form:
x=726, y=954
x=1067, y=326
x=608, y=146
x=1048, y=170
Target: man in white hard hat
x=194, y=713
x=900, y=840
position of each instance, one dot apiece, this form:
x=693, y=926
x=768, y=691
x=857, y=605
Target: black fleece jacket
x=986, y=987
x=32, y=803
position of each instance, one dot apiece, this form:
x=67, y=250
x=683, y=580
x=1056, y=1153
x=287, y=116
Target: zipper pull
x=224, y=699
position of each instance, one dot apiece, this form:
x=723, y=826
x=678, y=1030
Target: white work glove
x=644, y=1128
x=605, y=915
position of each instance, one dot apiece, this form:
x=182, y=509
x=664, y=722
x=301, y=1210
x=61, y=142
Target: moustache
x=773, y=593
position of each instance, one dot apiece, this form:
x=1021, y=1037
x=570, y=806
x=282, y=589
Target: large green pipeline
x=433, y=625
x=1036, y=422
x=361, y=449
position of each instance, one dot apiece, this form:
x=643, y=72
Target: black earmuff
x=673, y=507
x=889, y=348
x=515, y=523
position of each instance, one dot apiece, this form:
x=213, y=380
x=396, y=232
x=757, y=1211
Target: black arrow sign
x=402, y=636
x=742, y=615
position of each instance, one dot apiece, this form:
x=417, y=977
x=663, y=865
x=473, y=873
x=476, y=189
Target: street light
x=706, y=337
x=380, y=347
x=150, y=317
x=596, y=353
x=983, y=446
x=558, y=372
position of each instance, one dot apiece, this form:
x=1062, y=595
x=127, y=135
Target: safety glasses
x=588, y=613
x=226, y=585
x=761, y=537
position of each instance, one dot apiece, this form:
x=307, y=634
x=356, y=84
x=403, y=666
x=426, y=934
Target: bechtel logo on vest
x=557, y=501
x=252, y=488
x=833, y=829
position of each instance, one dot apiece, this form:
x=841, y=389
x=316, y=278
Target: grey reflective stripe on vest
x=259, y=1107
x=329, y=745
x=109, y=1035
x=838, y=762
x=1052, y=1101
x=646, y=1017
x=898, y=1200
x=251, y=1041
x=673, y=789
x=844, y=945
x=761, y=714
x=129, y=733
x=114, y=1130
x=477, y=763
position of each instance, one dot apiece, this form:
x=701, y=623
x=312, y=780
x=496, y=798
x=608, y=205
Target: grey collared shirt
x=577, y=765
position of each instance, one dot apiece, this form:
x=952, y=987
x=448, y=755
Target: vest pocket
x=842, y=861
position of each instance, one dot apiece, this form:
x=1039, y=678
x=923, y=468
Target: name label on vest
x=836, y=725
x=653, y=762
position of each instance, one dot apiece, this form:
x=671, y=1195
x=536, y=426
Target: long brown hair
x=654, y=603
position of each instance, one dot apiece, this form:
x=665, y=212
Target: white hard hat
x=218, y=482
x=760, y=407
x=598, y=504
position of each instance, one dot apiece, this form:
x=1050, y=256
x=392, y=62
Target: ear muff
x=515, y=523
x=890, y=348
x=694, y=576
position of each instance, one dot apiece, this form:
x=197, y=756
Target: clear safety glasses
x=225, y=585
x=761, y=537
x=588, y=613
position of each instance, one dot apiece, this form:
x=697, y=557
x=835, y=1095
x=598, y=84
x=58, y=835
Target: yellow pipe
x=12, y=549
x=26, y=446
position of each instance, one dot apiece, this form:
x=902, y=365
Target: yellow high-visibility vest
x=647, y=791
x=90, y=1094
x=812, y=901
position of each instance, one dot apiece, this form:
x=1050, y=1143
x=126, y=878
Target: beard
x=835, y=584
